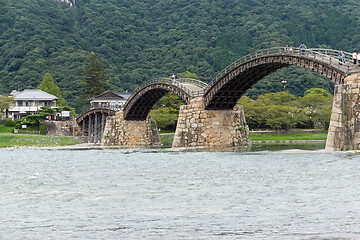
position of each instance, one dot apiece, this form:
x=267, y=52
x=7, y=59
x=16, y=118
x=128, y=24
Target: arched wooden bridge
x=138, y=106
x=144, y=97
x=228, y=86
x=92, y=123
x=231, y=83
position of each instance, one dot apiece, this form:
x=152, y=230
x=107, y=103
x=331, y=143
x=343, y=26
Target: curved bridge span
x=92, y=123
x=231, y=83
x=144, y=97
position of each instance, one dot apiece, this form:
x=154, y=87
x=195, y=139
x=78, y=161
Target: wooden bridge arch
x=144, y=97
x=231, y=83
x=92, y=123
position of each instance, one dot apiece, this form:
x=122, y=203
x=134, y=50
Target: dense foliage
x=166, y=111
x=280, y=110
x=44, y=113
x=140, y=40
x=283, y=111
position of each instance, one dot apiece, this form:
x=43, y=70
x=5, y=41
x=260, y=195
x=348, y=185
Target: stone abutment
x=200, y=128
x=123, y=133
x=344, y=128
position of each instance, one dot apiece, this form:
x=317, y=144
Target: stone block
x=203, y=115
x=216, y=123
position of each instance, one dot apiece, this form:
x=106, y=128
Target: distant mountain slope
x=140, y=40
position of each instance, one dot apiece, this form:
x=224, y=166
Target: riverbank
x=293, y=138
x=29, y=140
x=254, y=137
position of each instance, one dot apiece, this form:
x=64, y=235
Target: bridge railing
x=178, y=82
x=107, y=107
x=193, y=81
x=325, y=55
x=334, y=54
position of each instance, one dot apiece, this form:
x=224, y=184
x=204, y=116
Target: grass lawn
x=166, y=140
x=25, y=140
x=284, y=137
x=4, y=129
x=166, y=131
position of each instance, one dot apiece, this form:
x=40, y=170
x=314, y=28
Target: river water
x=160, y=194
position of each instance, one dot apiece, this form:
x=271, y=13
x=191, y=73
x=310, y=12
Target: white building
x=29, y=102
x=108, y=99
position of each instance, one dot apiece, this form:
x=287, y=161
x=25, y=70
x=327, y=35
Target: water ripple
x=158, y=194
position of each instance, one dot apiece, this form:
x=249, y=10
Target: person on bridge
x=286, y=48
x=302, y=47
x=341, y=57
x=354, y=56
x=291, y=49
x=173, y=76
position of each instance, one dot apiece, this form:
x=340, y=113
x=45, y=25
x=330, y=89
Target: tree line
x=282, y=110
x=278, y=111
x=141, y=40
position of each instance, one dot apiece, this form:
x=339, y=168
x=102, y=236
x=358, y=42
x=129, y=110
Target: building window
x=29, y=103
x=44, y=103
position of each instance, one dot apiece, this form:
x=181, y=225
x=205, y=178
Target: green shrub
x=42, y=129
x=9, y=123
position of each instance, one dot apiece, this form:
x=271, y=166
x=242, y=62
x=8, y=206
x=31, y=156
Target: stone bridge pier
x=344, y=129
x=196, y=128
x=201, y=128
x=123, y=133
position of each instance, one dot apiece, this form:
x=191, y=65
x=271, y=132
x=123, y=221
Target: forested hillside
x=140, y=40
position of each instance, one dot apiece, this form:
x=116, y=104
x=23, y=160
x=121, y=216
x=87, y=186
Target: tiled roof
x=34, y=94
x=108, y=95
x=125, y=95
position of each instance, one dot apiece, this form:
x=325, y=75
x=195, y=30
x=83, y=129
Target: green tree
x=35, y=119
x=169, y=100
x=317, y=105
x=94, y=78
x=283, y=110
x=166, y=117
x=281, y=117
x=278, y=98
x=48, y=85
x=188, y=74
x=269, y=111
x=5, y=103
x=166, y=111
x=254, y=112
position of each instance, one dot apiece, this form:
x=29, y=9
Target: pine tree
x=94, y=78
x=48, y=85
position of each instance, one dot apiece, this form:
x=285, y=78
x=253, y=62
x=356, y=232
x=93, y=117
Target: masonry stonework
x=197, y=127
x=60, y=128
x=123, y=133
x=344, y=128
